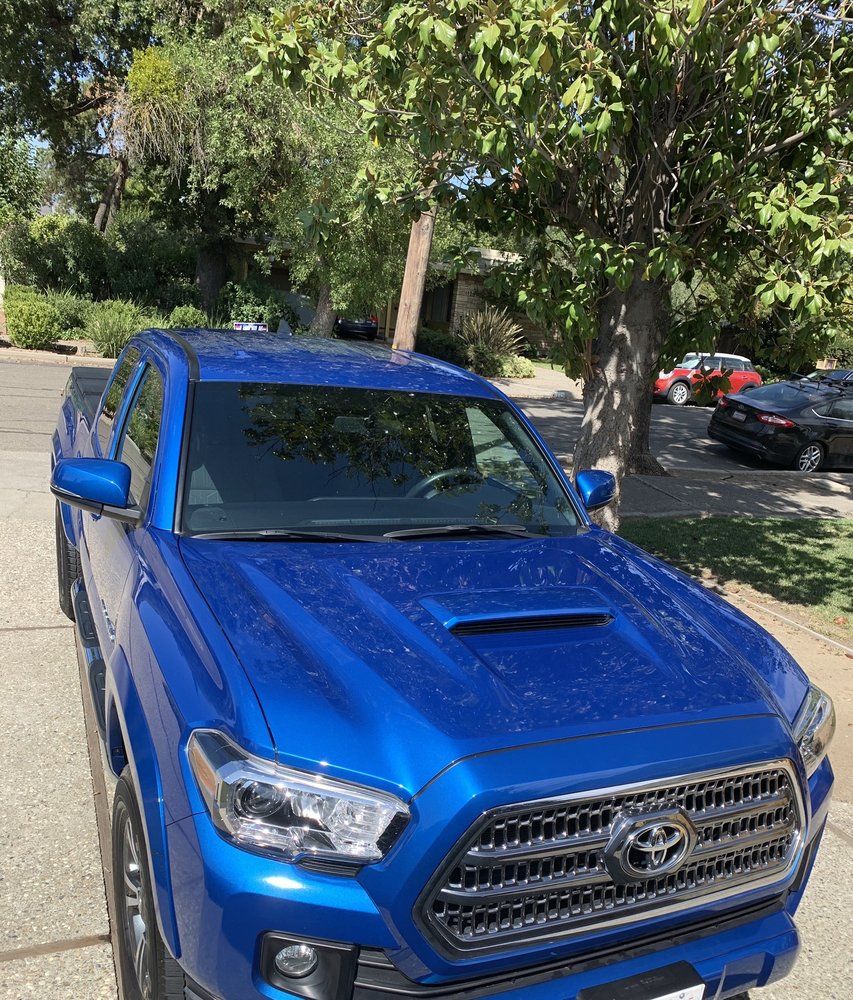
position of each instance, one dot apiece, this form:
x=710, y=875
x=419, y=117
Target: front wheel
x=678, y=394
x=148, y=971
x=809, y=457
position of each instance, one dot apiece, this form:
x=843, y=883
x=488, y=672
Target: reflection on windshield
x=278, y=457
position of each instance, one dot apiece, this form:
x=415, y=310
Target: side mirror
x=99, y=485
x=596, y=487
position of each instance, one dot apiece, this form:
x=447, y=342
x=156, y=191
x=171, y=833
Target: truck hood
x=386, y=663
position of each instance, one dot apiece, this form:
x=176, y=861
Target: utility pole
x=414, y=279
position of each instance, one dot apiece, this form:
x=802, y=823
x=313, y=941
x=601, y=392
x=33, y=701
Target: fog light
x=296, y=960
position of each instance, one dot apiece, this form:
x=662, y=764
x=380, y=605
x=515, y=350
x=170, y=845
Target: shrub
x=253, y=302
x=182, y=317
x=112, y=323
x=73, y=312
x=20, y=292
x=31, y=321
x=842, y=350
x=149, y=261
x=517, y=366
x=57, y=251
x=441, y=345
x=487, y=337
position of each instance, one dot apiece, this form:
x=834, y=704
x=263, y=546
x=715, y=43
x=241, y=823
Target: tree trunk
x=117, y=193
x=104, y=204
x=323, y=323
x=617, y=394
x=211, y=268
x=110, y=201
x=414, y=280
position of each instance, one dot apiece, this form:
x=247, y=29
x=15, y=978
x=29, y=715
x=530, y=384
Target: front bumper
x=226, y=900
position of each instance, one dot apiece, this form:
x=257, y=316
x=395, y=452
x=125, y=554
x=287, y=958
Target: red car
x=678, y=386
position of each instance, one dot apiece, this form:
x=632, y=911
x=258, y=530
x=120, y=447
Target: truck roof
x=229, y=356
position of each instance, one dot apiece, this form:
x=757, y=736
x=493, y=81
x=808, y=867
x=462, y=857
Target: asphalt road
x=678, y=437
x=54, y=930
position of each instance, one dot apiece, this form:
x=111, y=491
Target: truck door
x=112, y=544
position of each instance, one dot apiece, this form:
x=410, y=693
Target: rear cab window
x=114, y=395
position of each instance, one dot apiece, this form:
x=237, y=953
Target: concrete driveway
x=54, y=933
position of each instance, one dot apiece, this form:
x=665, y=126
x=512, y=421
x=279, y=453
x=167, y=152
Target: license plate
x=738, y=415
x=691, y=993
x=672, y=982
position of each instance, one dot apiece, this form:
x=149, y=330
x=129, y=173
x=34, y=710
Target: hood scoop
x=505, y=611
x=531, y=623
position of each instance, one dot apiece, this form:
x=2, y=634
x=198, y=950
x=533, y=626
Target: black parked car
x=805, y=424
x=832, y=374
x=362, y=328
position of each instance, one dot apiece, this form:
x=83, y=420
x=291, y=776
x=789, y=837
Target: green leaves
x=445, y=34
x=609, y=140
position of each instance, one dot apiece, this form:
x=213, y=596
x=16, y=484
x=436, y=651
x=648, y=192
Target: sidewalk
x=749, y=493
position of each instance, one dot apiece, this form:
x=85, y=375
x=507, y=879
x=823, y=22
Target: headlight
x=814, y=728
x=265, y=807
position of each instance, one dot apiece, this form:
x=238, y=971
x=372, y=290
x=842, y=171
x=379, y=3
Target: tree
x=19, y=193
x=628, y=143
x=260, y=163
x=59, y=65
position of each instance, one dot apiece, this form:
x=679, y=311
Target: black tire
x=678, y=393
x=67, y=567
x=148, y=971
x=810, y=457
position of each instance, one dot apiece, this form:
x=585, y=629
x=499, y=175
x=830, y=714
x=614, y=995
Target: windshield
x=690, y=363
x=266, y=457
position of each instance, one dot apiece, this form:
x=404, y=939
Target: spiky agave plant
x=487, y=337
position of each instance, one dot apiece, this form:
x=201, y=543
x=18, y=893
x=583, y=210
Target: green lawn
x=807, y=564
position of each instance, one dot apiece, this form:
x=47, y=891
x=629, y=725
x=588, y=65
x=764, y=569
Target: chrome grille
x=539, y=869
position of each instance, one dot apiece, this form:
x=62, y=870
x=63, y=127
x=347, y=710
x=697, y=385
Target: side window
x=141, y=431
x=713, y=364
x=842, y=409
x=734, y=364
x=113, y=398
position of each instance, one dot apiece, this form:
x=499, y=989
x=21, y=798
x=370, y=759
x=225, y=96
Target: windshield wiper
x=516, y=530
x=286, y=535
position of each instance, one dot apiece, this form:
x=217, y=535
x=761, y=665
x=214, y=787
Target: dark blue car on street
x=390, y=717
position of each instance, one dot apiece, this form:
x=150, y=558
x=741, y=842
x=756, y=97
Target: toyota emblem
x=644, y=846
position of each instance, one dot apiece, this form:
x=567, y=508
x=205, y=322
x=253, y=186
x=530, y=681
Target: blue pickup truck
x=390, y=717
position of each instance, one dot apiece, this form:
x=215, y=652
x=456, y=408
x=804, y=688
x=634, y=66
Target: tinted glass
x=712, y=363
x=733, y=363
x=362, y=461
x=784, y=394
x=139, y=443
x=113, y=398
x=842, y=409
